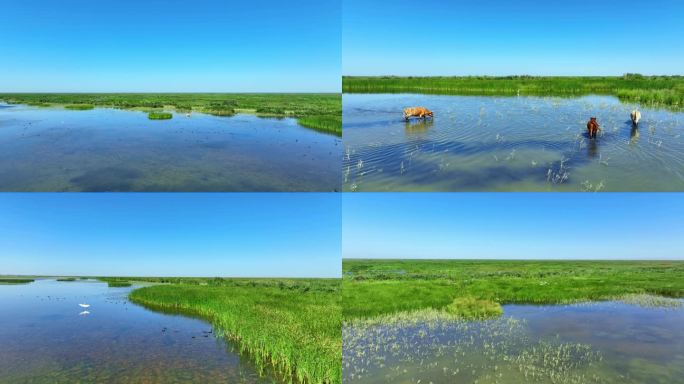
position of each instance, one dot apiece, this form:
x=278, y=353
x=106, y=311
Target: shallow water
x=508, y=144
x=54, y=149
x=608, y=342
x=46, y=338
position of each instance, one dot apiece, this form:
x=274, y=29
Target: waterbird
x=84, y=305
x=84, y=313
x=635, y=116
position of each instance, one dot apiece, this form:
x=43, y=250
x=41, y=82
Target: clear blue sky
x=502, y=37
x=513, y=225
x=170, y=45
x=171, y=234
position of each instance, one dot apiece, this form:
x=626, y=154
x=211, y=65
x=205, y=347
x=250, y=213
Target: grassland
x=15, y=281
x=380, y=287
x=293, y=325
x=159, y=116
x=318, y=111
x=656, y=91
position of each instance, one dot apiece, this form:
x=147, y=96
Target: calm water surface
x=609, y=342
x=53, y=149
x=508, y=144
x=45, y=337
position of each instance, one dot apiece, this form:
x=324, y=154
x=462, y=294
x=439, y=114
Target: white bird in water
x=84, y=305
x=635, y=116
x=84, y=313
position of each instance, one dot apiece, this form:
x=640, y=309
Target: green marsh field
x=551, y=322
x=316, y=111
x=376, y=287
x=665, y=91
x=291, y=325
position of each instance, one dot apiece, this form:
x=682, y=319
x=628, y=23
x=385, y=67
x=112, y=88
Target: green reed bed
x=376, y=287
x=66, y=279
x=79, y=107
x=665, y=91
x=159, y=116
x=293, y=325
x=15, y=281
x=321, y=111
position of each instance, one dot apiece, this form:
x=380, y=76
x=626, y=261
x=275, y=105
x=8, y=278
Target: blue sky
x=513, y=225
x=176, y=234
x=497, y=37
x=170, y=46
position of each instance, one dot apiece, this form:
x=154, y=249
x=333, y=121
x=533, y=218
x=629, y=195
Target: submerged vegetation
x=293, y=325
x=318, y=111
x=12, y=280
x=159, y=116
x=666, y=91
x=376, y=287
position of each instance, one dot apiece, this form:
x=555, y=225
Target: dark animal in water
x=593, y=128
x=420, y=112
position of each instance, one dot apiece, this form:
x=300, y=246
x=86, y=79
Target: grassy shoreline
x=319, y=111
x=381, y=287
x=655, y=91
x=293, y=325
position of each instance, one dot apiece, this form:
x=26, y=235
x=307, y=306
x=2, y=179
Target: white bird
x=187, y=115
x=635, y=116
x=84, y=313
x=84, y=305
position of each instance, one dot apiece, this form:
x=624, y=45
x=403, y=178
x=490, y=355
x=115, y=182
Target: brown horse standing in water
x=593, y=128
x=420, y=112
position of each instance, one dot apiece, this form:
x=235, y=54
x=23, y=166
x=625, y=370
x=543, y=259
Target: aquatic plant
x=667, y=91
x=113, y=284
x=650, y=301
x=319, y=110
x=79, y=107
x=472, y=308
x=159, y=115
x=15, y=280
x=323, y=123
x=66, y=279
x=292, y=325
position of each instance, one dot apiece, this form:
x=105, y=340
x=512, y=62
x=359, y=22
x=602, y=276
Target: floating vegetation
x=79, y=107
x=432, y=346
x=650, y=301
x=159, y=116
x=15, y=280
x=318, y=111
x=66, y=279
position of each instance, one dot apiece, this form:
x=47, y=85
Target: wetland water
x=54, y=149
x=45, y=338
x=508, y=144
x=607, y=342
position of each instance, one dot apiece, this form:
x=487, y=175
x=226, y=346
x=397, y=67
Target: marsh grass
x=330, y=123
x=321, y=111
x=665, y=91
x=15, y=281
x=66, y=279
x=159, y=116
x=293, y=325
x=79, y=107
x=113, y=284
x=472, y=308
x=375, y=287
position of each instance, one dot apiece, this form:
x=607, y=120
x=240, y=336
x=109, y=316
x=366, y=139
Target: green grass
x=159, y=116
x=377, y=287
x=320, y=111
x=66, y=279
x=665, y=91
x=79, y=107
x=15, y=281
x=293, y=325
